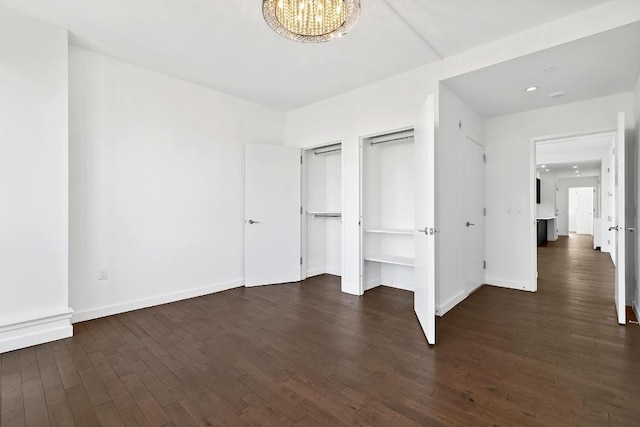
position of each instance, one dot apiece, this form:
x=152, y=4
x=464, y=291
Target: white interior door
x=425, y=279
x=473, y=199
x=272, y=214
x=620, y=227
x=573, y=210
x=584, y=210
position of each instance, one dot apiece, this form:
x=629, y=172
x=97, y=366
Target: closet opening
x=322, y=228
x=387, y=211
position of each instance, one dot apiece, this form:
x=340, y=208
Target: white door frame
x=303, y=199
x=533, y=232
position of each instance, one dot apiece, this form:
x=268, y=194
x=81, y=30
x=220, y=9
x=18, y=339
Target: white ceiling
x=600, y=65
x=226, y=45
x=567, y=170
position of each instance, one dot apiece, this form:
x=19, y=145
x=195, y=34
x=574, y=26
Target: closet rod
x=390, y=140
x=326, y=151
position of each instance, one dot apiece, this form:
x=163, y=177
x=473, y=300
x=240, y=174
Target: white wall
x=33, y=182
x=157, y=185
x=510, y=254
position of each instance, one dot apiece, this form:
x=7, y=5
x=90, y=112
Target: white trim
x=405, y=286
x=315, y=272
x=636, y=309
x=445, y=307
x=94, y=313
x=509, y=284
x=334, y=271
x=36, y=331
x=442, y=309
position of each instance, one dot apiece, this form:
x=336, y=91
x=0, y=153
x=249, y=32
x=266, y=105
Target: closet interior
x=322, y=203
x=387, y=214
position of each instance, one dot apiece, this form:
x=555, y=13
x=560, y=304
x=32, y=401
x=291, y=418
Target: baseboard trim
x=95, y=313
x=315, y=272
x=442, y=309
x=36, y=331
x=508, y=284
x=405, y=286
x=319, y=271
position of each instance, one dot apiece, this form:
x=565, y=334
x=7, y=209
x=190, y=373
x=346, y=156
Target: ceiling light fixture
x=531, y=89
x=547, y=170
x=575, y=167
x=311, y=21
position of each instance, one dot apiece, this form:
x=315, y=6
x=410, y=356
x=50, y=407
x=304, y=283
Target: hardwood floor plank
x=307, y=354
x=12, y=397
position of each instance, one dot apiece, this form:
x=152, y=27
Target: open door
x=272, y=214
x=425, y=278
x=620, y=227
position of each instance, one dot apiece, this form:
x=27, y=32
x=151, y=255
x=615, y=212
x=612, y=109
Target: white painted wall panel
x=157, y=185
x=33, y=179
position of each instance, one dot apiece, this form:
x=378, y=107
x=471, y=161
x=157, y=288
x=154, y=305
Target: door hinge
x=484, y=265
x=484, y=211
x=300, y=260
x=300, y=159
x=484, y=158
x=300, y=210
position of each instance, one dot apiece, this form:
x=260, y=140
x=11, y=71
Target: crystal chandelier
x=311, y=20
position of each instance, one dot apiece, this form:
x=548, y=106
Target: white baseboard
x=315, y=272
x=509, y=284
x=399, y=284
x=636, y=309
x=36, y=331
x=328, y=270
x=443, y=308
x=371, y=284
x=334, y=271
x=94, y=313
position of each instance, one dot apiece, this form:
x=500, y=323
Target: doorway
x=610, y=213
x=580, y=215
x=322, y=207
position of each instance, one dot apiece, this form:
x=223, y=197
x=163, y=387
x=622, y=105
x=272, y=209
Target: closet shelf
x=325, y=214
x=389, y=231
x=391, y=259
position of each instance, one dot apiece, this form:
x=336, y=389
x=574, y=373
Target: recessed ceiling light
x=577, y=171
x=547, y=170
x=558, y=94
x=531, y=89
x=543, y=166
x=575, y=167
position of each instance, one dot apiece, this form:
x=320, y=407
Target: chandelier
x=311, y=20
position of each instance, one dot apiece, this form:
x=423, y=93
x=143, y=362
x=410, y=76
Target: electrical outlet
x=103, y=274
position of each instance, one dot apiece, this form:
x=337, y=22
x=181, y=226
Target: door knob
x=614, y=228
x=425, y=231
x=253, y=222
x=468, y=223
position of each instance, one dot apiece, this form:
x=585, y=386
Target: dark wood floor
x=306, y=354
